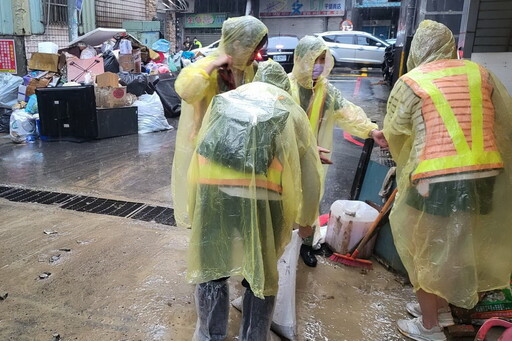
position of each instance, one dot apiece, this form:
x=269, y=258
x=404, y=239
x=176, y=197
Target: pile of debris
x=118, y=70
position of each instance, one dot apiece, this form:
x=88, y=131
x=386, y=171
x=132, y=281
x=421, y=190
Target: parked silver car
x=355, y=47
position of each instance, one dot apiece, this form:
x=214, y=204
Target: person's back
x=255, y=173
x=448, y=125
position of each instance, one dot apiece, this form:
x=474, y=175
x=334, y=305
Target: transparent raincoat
x=449, y=127
x=323, y=103
x=240, y=37
x=255, y=173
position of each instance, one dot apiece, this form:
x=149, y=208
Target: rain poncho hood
x=272, y=73
x=240, y=37
x=307, y=51
x=323, y=103
x=432, y=41
x=255, y=173
x=452, y=232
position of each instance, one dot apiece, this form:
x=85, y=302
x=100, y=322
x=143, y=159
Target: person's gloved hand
x=378, y=137
x=324, y=159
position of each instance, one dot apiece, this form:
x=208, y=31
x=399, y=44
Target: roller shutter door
x=294, y=26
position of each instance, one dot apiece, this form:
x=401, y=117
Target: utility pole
x=72, y=20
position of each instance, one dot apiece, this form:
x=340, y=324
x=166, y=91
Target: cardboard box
x=77, y=68
x=44, y=62
x=113, y=97
x=107, y=79
x=37, y=83
x=126, y=63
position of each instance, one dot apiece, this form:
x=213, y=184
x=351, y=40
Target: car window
x=345, y=39
x=329, y=39
x=216, y=44
x=283, y=42
x=366, y=41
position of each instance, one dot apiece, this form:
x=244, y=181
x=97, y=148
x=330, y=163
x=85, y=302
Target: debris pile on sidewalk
x=105, y=83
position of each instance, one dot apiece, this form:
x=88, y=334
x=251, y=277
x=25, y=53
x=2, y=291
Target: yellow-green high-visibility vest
x=459, y=118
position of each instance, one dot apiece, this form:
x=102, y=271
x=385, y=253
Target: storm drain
x=81, y=203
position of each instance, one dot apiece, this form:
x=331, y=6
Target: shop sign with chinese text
x=205, y=20
x=7, y=56
x=301, y=8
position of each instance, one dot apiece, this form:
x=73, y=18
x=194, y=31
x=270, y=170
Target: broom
x=351, y=259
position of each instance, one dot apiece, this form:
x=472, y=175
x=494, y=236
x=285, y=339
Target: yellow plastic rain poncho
x=240, y=37
x=323, y=103
x=453, y=231
x=255, y=173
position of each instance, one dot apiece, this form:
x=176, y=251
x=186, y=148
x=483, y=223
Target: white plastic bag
x=47, y=47
x=125, y=46
x=284, y=321
x=151, y=114
x=22, y=124
x=9, y=89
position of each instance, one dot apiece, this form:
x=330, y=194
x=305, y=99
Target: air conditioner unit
x=190, y=6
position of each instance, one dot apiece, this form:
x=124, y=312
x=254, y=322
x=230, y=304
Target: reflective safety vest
x=316, y=105
x=459, y=118
x=212, y=173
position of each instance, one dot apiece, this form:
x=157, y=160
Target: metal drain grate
x=80, y=203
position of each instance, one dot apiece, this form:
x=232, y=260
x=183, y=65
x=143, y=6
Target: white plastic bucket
x=349, y=220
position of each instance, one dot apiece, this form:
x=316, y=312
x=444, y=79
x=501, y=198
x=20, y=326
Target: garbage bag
x=5, y=117
x=151, y=114
x=136, y=83
x=169, y=97
x=22, y=124
x=110, y=63
x=9, y=89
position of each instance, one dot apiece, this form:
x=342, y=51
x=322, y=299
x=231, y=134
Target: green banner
x=205, y=20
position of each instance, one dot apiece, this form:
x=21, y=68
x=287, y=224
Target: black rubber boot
x=306, y=253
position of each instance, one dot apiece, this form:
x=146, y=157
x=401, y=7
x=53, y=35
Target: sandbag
x=9, y=89
x=136, y=83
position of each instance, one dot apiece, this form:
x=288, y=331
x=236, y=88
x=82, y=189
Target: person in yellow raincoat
x=449, y=126
x=325, y=107
x=254, y=174
x=227, y=68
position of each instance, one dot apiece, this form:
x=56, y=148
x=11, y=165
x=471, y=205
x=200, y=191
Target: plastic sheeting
x=336, y=109
x=454, y=241
x=240, y=37
x=241, y=224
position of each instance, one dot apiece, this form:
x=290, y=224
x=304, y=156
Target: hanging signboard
x=205, y=20
x=301, y=8
x=7, y=56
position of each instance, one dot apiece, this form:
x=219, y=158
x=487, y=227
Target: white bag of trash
x=284, y=321
x=151, y=114
x=22, y=125
x=9, y=89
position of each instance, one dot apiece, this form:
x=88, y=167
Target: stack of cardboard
x=109, y=94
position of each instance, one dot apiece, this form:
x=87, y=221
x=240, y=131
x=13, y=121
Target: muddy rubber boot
x=306, y=253
x=256, y=317
x=212, y=305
